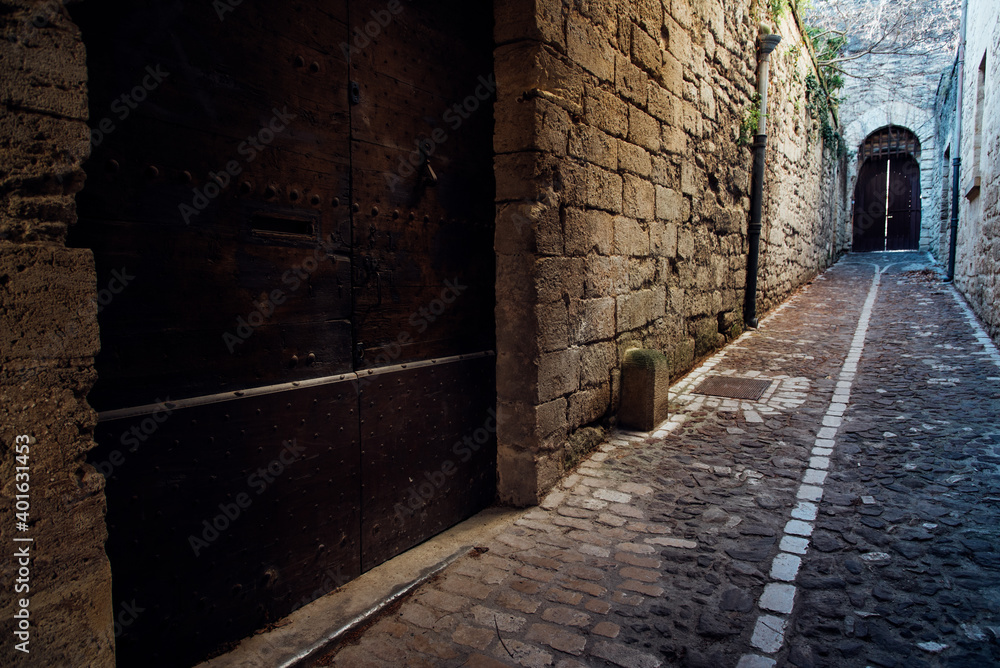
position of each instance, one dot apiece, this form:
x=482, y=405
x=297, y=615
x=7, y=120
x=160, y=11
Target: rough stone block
x=664, y=105
x=588, y=47
x=671, y=205
x=631, y=83
x=541, y=20
x=681, y=12
x=678, y=40
x=587, y=406
x=595, y=146
x=634, y=159
x=689, y=178
x=671, y=75
x=525, y=65
x=558, y=373
x=707, y=100
x=682, y=355
x=597, y=277
x=517, y=374
x=533, y=125
x=588, y=231
x=517, y=473
x=553, y=325
x=606, y=111
x=630, y=237
x=603, y=189
x=663, y=239
x=638, y=308
x=674, y=140
x=643, y=129
x=638, y=197
x=592, y=319
x=524, y=176
x=645, y=389
x=50, y=306
x=596, y=362
x=646, y=52
x=685, y=244
x=528, y=227
x=558, y=278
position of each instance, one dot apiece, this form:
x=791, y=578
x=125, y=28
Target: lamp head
x=768, y=43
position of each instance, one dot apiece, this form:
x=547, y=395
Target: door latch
x=430, y=176
x=355, y=92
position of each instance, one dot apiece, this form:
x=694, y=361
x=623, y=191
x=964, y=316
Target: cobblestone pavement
x=846, y=518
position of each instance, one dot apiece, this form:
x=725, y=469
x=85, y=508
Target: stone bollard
x=645, y=389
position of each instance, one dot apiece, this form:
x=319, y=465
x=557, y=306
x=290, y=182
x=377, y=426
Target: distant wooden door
x=296, y=379
x=887, y=195
x=887, y=205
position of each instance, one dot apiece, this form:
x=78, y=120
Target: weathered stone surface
x=645, y=389
x=48, y=316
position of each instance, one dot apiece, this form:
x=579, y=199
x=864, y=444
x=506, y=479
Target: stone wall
x=623, y=200
x=48, y=317
x=941, y=183
x=977, y=268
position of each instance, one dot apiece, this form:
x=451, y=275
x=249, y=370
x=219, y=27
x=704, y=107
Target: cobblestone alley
x=846, y=518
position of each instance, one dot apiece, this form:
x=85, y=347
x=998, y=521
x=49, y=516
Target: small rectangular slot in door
x=283, y=225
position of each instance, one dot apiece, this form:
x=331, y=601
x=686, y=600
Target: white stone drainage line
x=779, y=594
x=981, y=336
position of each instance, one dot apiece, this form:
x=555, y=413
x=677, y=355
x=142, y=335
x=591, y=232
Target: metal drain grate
x=734, y=388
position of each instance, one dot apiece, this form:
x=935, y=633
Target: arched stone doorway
x=887, y=194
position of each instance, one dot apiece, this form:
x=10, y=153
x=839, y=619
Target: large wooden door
x=887, y=195
x=421, y=122
x=869, y=208
x=296, y=374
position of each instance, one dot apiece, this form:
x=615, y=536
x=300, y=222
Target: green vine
x=819, y=108
x=748, y=128
x=778, y=8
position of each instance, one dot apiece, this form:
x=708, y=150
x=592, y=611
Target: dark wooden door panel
x=422, y=186
x=428, y=448
x=869, y=207
x=225, y=192
x=203, y=313
x=904, y=205
x=225, y=517
x=423, y=270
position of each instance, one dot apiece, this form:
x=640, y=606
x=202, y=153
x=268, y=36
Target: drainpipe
x=767, y=45
x=957, y=161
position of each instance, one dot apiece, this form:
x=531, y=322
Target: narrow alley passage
x=847, y=517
